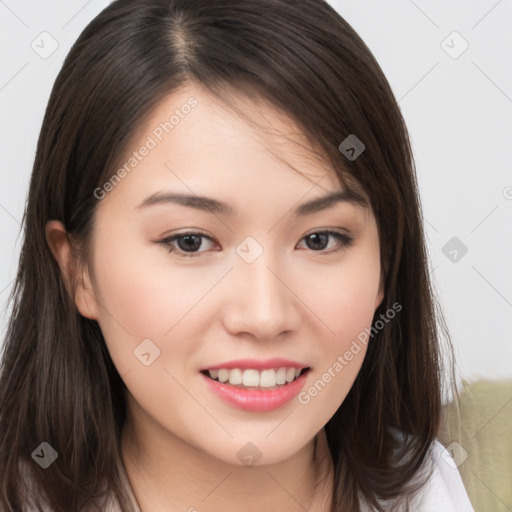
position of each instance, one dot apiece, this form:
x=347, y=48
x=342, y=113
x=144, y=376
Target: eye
x=187, y=244
x=317, y=241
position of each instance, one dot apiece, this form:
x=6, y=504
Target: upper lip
x=257, y=364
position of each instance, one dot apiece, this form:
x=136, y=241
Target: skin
x=306, y=303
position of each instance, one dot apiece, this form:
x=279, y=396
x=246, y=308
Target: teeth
x=253, y=378
x=250, y=378
x=235, y=376
x=281, y=376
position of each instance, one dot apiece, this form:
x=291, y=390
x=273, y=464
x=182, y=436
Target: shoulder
x=444, y=491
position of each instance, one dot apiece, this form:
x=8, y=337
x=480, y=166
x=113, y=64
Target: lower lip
x=255, y=400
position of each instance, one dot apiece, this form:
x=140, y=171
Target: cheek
x=348, y=312
x=344, y=299
x=142, y=297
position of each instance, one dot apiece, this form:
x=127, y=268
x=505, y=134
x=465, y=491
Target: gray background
x=457, y=105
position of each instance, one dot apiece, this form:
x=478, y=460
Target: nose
x=261, y=302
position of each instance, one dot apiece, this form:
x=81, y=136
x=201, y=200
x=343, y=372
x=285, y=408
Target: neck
x=163, y=469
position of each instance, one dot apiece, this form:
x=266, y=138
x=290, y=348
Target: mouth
x=259, y=380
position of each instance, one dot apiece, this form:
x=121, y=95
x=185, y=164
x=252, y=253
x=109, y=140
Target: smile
x=255, y=379
x=256, y=390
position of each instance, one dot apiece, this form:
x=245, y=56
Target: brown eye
x=319, y=240
x=185, y=243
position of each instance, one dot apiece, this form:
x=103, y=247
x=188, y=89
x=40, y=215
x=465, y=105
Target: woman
x=222, y=300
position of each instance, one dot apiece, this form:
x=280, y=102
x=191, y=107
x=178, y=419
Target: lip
x=255, y=400
x=257, y=364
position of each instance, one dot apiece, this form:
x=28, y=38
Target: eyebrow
x=214, y=206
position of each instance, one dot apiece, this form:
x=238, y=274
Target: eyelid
x=339, y=231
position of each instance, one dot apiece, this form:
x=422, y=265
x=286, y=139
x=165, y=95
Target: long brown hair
x=58, y=383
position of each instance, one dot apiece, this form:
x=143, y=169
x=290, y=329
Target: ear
x=60, y=246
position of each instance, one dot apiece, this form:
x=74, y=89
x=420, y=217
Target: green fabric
x=485, y=433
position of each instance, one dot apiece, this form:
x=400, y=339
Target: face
x=181, y=289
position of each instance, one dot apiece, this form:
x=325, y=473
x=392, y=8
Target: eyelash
x=345, y=241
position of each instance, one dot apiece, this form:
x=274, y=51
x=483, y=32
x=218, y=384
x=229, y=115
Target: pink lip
x=256, y=364
x=253, y=399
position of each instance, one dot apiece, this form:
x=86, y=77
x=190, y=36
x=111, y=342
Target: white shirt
x=444, y=491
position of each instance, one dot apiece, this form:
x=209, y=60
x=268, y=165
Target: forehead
x=192, y=142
